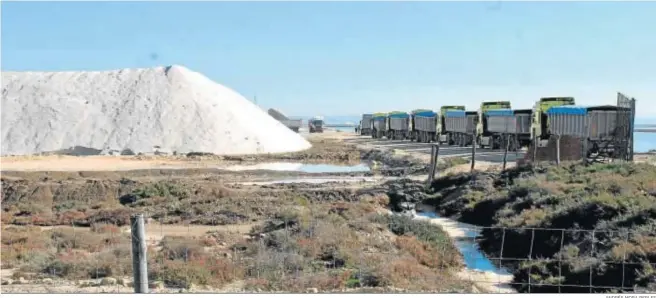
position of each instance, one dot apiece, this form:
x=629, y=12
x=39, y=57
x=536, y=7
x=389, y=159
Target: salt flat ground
x=484, y=157
x=126, y=163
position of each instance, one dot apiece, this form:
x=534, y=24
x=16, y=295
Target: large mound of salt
x=163, y=109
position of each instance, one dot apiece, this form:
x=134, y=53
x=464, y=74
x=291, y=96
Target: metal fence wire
x=312, y=256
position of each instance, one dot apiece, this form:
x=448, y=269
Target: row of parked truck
x=495, y=122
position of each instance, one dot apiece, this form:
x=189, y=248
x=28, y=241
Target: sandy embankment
x=101, y=163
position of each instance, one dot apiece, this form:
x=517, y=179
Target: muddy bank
x=211, y=200
x=200, y=196
x=529, y=205
x=389, y=164
x=368, y=163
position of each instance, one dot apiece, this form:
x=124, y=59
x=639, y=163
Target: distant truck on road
x=398, y=124
x=540, y=124
x=444, y=135
x=600, y=127
x=423, y=126
x=461, y=126
x=379, y=125
x=293, y=124
x=495, y=121
x=365, y=124
x=315, y=125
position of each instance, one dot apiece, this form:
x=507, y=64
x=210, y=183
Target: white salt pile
x=165, y=109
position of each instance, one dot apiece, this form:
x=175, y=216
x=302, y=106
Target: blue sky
x=340, y=58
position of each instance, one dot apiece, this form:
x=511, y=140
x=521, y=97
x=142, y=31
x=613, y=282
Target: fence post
x=557, y=149
x=505, y=153
x=435, y=152
x=139, y=258
x=535, y=149
x=473, y=158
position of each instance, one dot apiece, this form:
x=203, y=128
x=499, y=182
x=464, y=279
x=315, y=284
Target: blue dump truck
x=539, y=116
x=460, y=127
x=398, y=125
x=522, y=127
x=423, y=126
x=495, y=120
x=365, y=124
x=602, y=127
x=498, y=125
x=378, y=125
x=443, y=135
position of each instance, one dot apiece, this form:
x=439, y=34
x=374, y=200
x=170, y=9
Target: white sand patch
x=162, y=109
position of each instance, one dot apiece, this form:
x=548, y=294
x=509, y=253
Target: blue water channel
x=474, y=258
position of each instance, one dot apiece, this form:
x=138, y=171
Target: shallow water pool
x=474, y=258
x=301, y=167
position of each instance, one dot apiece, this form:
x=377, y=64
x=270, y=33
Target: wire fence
x=313, y=256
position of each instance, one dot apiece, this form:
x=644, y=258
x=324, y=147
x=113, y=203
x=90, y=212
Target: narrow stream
x=465, y=240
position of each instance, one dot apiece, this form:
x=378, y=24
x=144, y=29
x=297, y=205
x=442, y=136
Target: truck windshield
x=552, y=99
x=497, y=105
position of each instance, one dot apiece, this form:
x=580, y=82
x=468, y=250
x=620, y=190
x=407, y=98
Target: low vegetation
x=330, y=243
x=581, y=225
